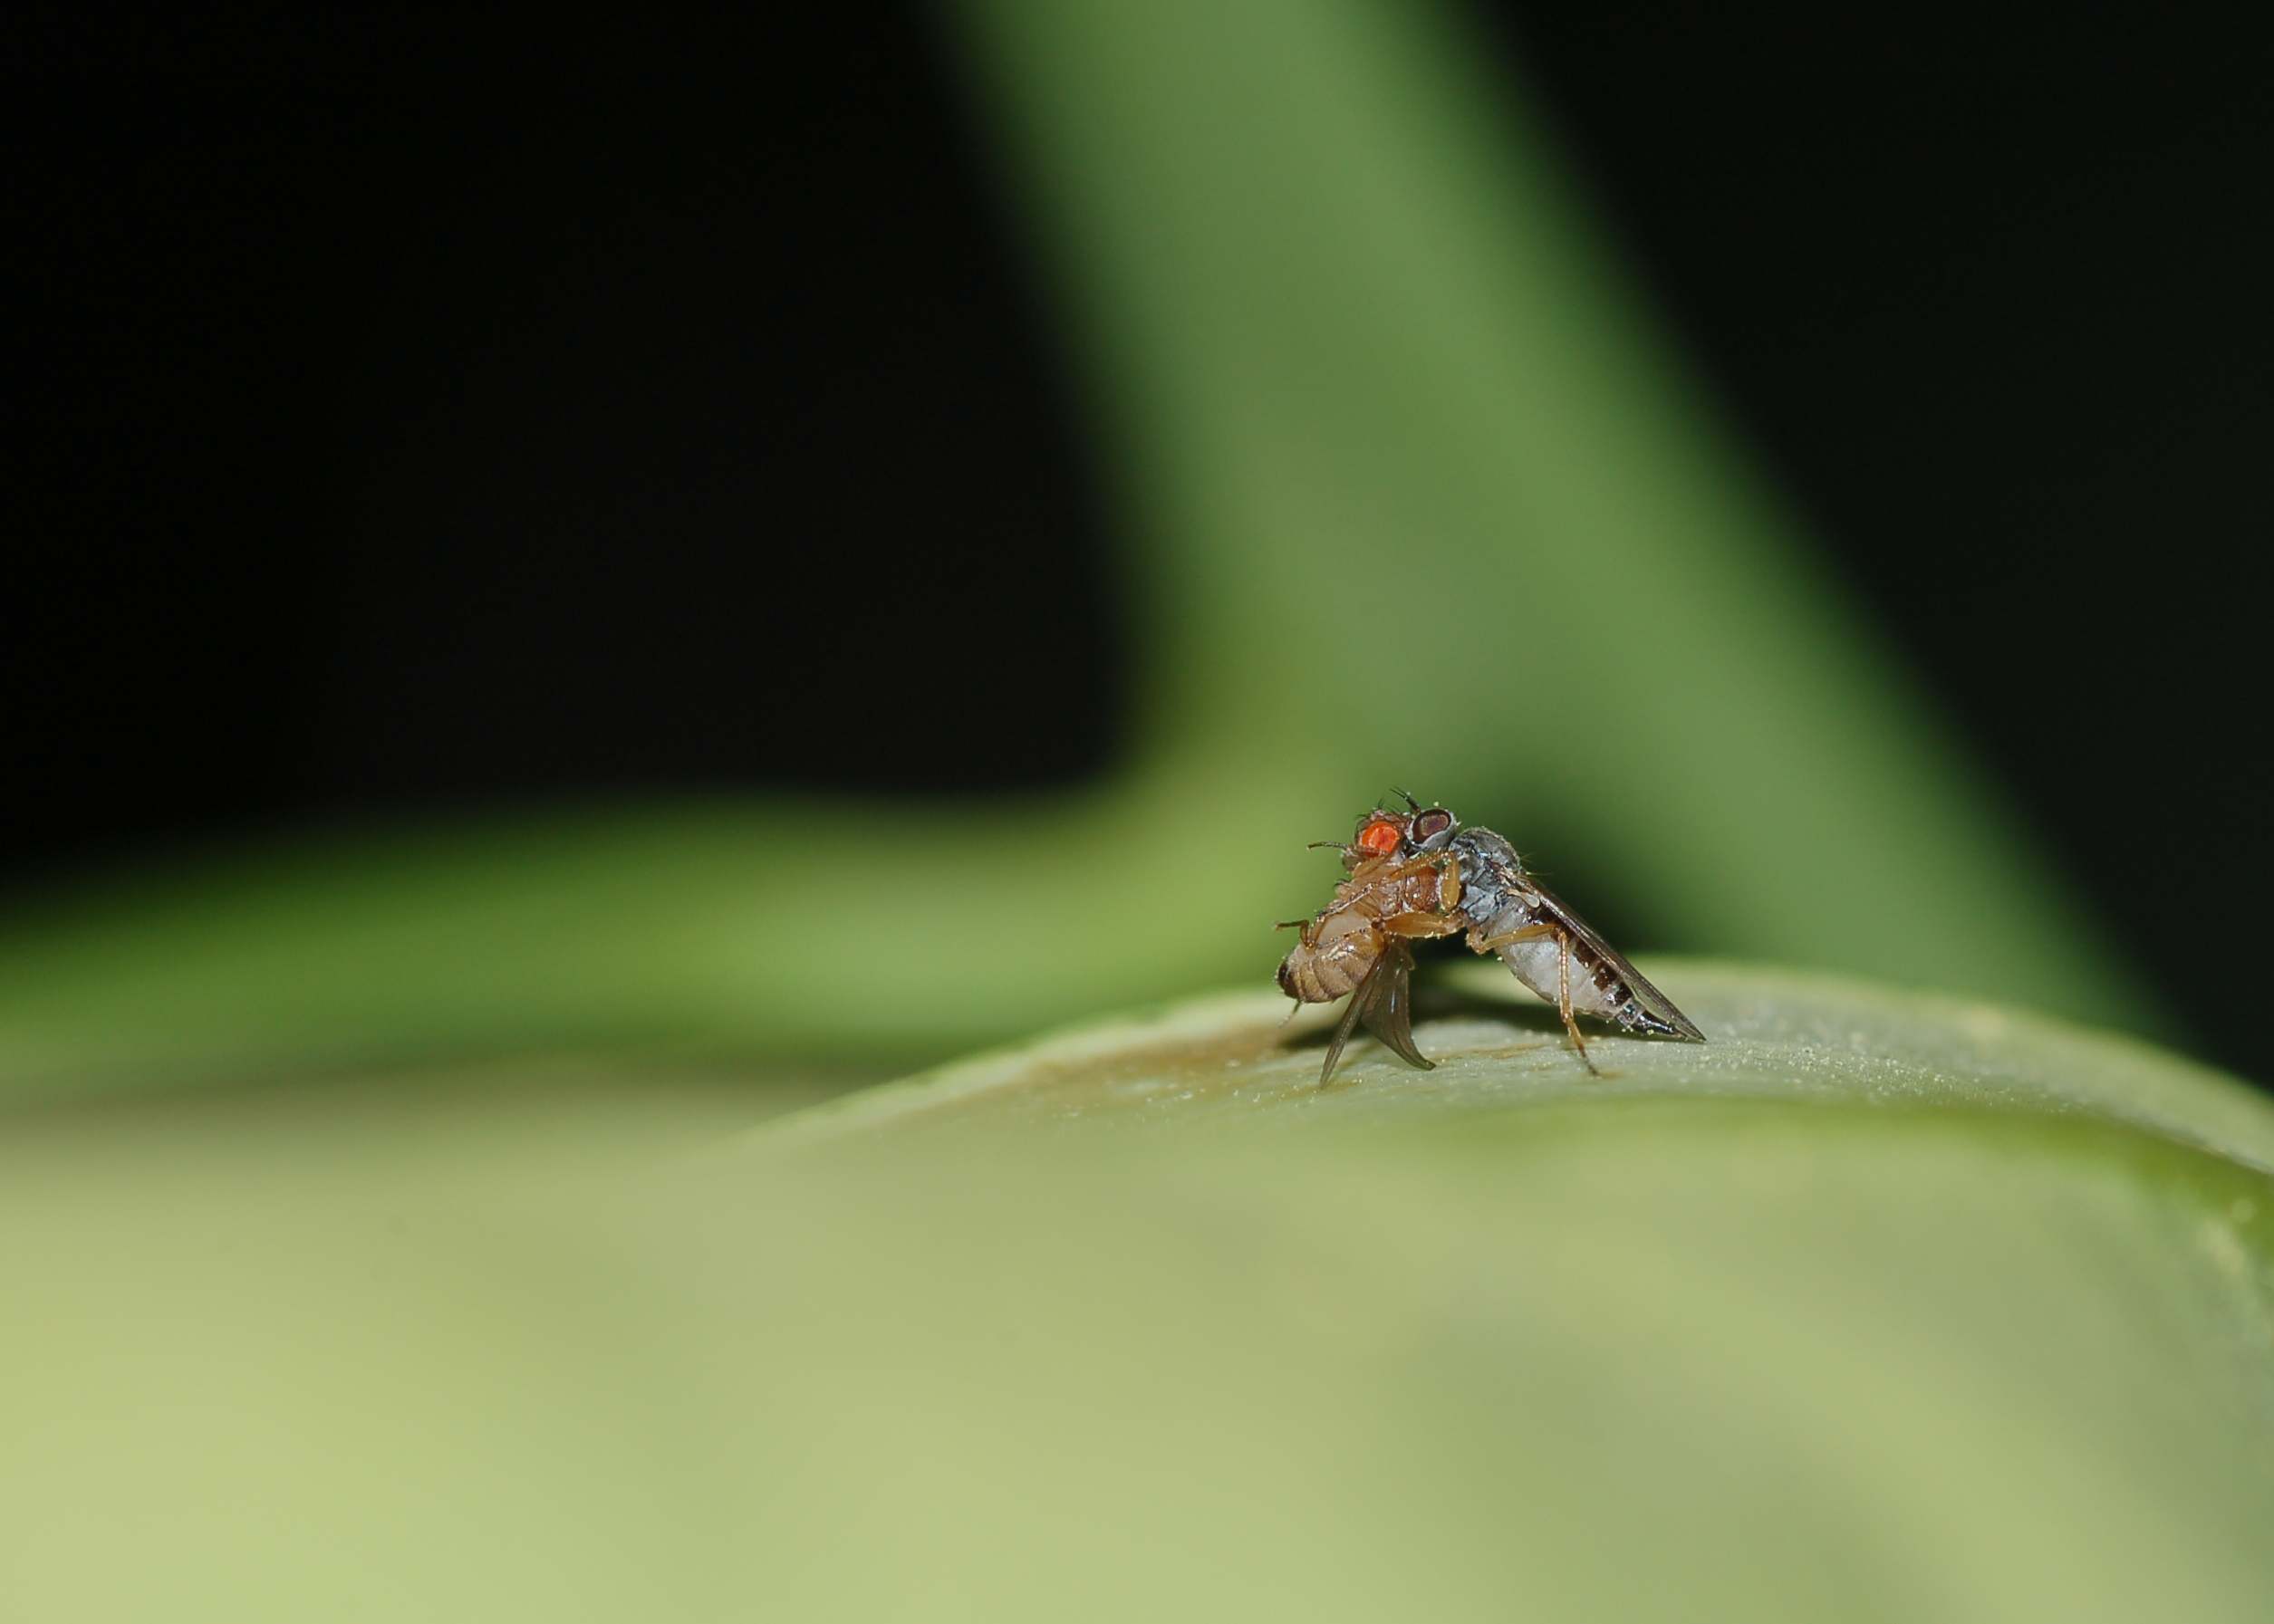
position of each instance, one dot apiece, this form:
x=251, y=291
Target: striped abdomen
x=1342, y=944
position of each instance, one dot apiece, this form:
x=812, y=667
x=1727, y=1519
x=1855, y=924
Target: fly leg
x=1420, y=926
x=1532, y=933
x=1522, y=933
x=1438, y=918
x=1563, y=1000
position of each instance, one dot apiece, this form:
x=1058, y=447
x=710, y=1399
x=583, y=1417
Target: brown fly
x=1357, y=943
x=1505, y=910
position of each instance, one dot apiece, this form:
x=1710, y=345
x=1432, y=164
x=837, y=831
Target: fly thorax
x=1491, y=875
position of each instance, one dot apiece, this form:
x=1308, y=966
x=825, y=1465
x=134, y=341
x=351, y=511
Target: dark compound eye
x=1430, y=824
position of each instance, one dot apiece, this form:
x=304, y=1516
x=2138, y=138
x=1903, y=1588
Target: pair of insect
x=1417, y=874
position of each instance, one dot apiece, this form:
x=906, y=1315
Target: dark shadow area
x=412, y=412
x=1436, y=1000
x=1988, y=306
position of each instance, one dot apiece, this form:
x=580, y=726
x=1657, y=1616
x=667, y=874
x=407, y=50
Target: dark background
x=348, y=359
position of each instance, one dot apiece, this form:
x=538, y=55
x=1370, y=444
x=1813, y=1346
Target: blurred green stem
x=1413, y=495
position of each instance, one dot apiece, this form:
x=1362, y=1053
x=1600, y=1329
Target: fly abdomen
x=1332, y=958
x=1600, y=981
x=1537, y=961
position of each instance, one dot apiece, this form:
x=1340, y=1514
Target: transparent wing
x=1389, y=1004
x=1384, y=1002
x=1346, y=1025
x=1659, y=1010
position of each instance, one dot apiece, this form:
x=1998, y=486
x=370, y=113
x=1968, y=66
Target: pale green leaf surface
x=1778, y=1035
x=1871, y=1307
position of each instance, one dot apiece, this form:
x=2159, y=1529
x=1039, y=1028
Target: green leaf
x=1872, y=1307
x=1780, y=1036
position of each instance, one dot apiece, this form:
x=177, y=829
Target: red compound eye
x=1379, y=837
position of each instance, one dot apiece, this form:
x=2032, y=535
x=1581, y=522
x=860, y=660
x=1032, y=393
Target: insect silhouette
x=1482, y=889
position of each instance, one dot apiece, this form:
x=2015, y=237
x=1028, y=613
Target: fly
x=1503, y=910
x=1358, y=943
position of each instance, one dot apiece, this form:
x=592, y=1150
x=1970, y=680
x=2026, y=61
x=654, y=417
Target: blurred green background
x=1437, y=511
x=382, y=1238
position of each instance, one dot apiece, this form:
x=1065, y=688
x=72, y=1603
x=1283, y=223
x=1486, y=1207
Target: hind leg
x=1563, y=1000
x=1532, y=933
